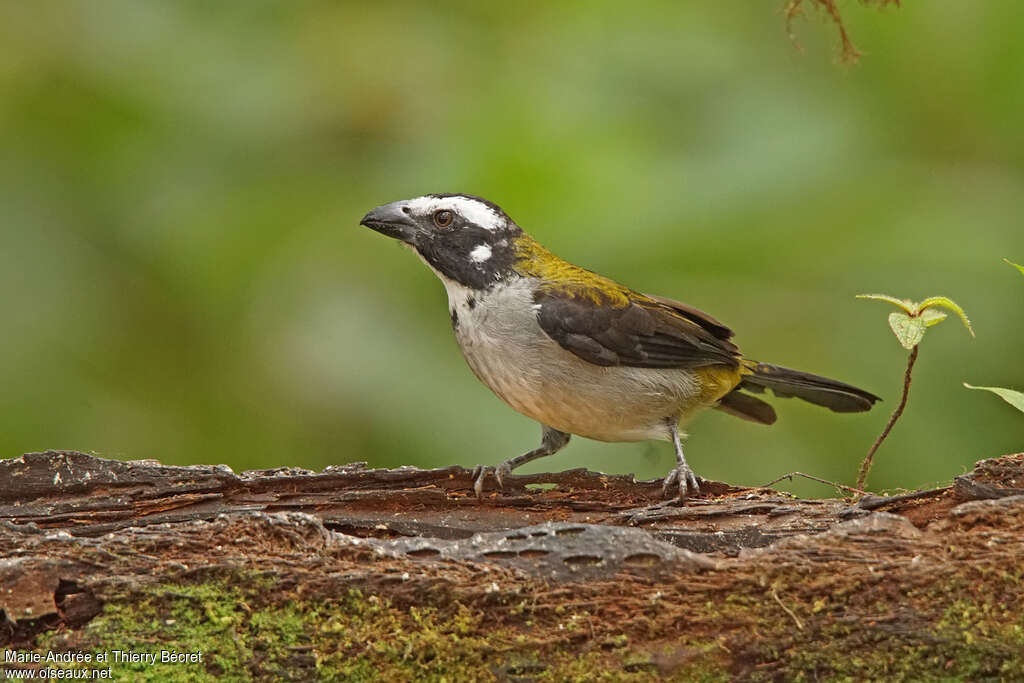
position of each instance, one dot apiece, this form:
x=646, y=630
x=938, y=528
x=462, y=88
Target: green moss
x=362, y=636
x=206, y=617
x=243, y=633
x=870, y=634
x=248, y=627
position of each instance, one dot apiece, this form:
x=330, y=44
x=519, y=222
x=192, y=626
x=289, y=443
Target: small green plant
x=1014, y=398
x=909, y=325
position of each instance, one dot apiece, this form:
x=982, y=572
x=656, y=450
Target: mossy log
x=196, y=573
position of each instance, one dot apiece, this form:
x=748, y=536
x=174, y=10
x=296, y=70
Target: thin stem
x=865, y=466
x=812, y=478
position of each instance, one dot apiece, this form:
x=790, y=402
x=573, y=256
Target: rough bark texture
x=360, y=574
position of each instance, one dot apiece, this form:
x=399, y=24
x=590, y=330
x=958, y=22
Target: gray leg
x=551, y=442
x=682, y=476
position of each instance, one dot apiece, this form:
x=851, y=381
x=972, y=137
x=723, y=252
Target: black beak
x=392, y=220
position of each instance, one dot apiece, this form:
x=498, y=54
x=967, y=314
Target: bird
x=578, y=352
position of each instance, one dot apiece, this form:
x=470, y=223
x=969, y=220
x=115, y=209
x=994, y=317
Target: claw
x=683, y=477
x=481, y=472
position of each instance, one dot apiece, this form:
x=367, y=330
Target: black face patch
x=455, y=318
x=450, y=253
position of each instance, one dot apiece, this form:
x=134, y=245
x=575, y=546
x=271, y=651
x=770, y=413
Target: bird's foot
x=680, y=480
x=481, y=472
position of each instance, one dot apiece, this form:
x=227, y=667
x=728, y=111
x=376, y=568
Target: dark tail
x=745, y=406
x=785, y=383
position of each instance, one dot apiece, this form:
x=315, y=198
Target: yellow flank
x=718, y=380
x=536, y=261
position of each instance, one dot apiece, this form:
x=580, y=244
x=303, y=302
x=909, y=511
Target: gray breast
x=508, y=351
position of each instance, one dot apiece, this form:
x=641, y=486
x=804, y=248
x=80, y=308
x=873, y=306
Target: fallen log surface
x=352, y=573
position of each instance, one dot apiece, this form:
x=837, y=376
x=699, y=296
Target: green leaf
x=1015, y=265
x=932, y=316
x=906, y=304
x=1014, y=398
x=946, y=302
x=909, y=331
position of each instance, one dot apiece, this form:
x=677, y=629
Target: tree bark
x=355, y=573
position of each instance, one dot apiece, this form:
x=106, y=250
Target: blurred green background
x=183, y=277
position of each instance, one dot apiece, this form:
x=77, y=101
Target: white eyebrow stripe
x=470, y=209
x=480, y=253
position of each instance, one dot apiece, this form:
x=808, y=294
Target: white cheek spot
x=480, y=253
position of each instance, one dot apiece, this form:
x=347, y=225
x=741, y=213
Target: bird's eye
x=443, y=218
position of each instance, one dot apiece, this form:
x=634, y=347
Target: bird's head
x=463, y=238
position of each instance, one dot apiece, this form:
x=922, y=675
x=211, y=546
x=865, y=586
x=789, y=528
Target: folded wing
x=609, y=325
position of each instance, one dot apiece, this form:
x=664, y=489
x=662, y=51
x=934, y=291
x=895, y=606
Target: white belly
x=510, y=353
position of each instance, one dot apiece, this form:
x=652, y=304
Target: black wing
x=620, y=327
